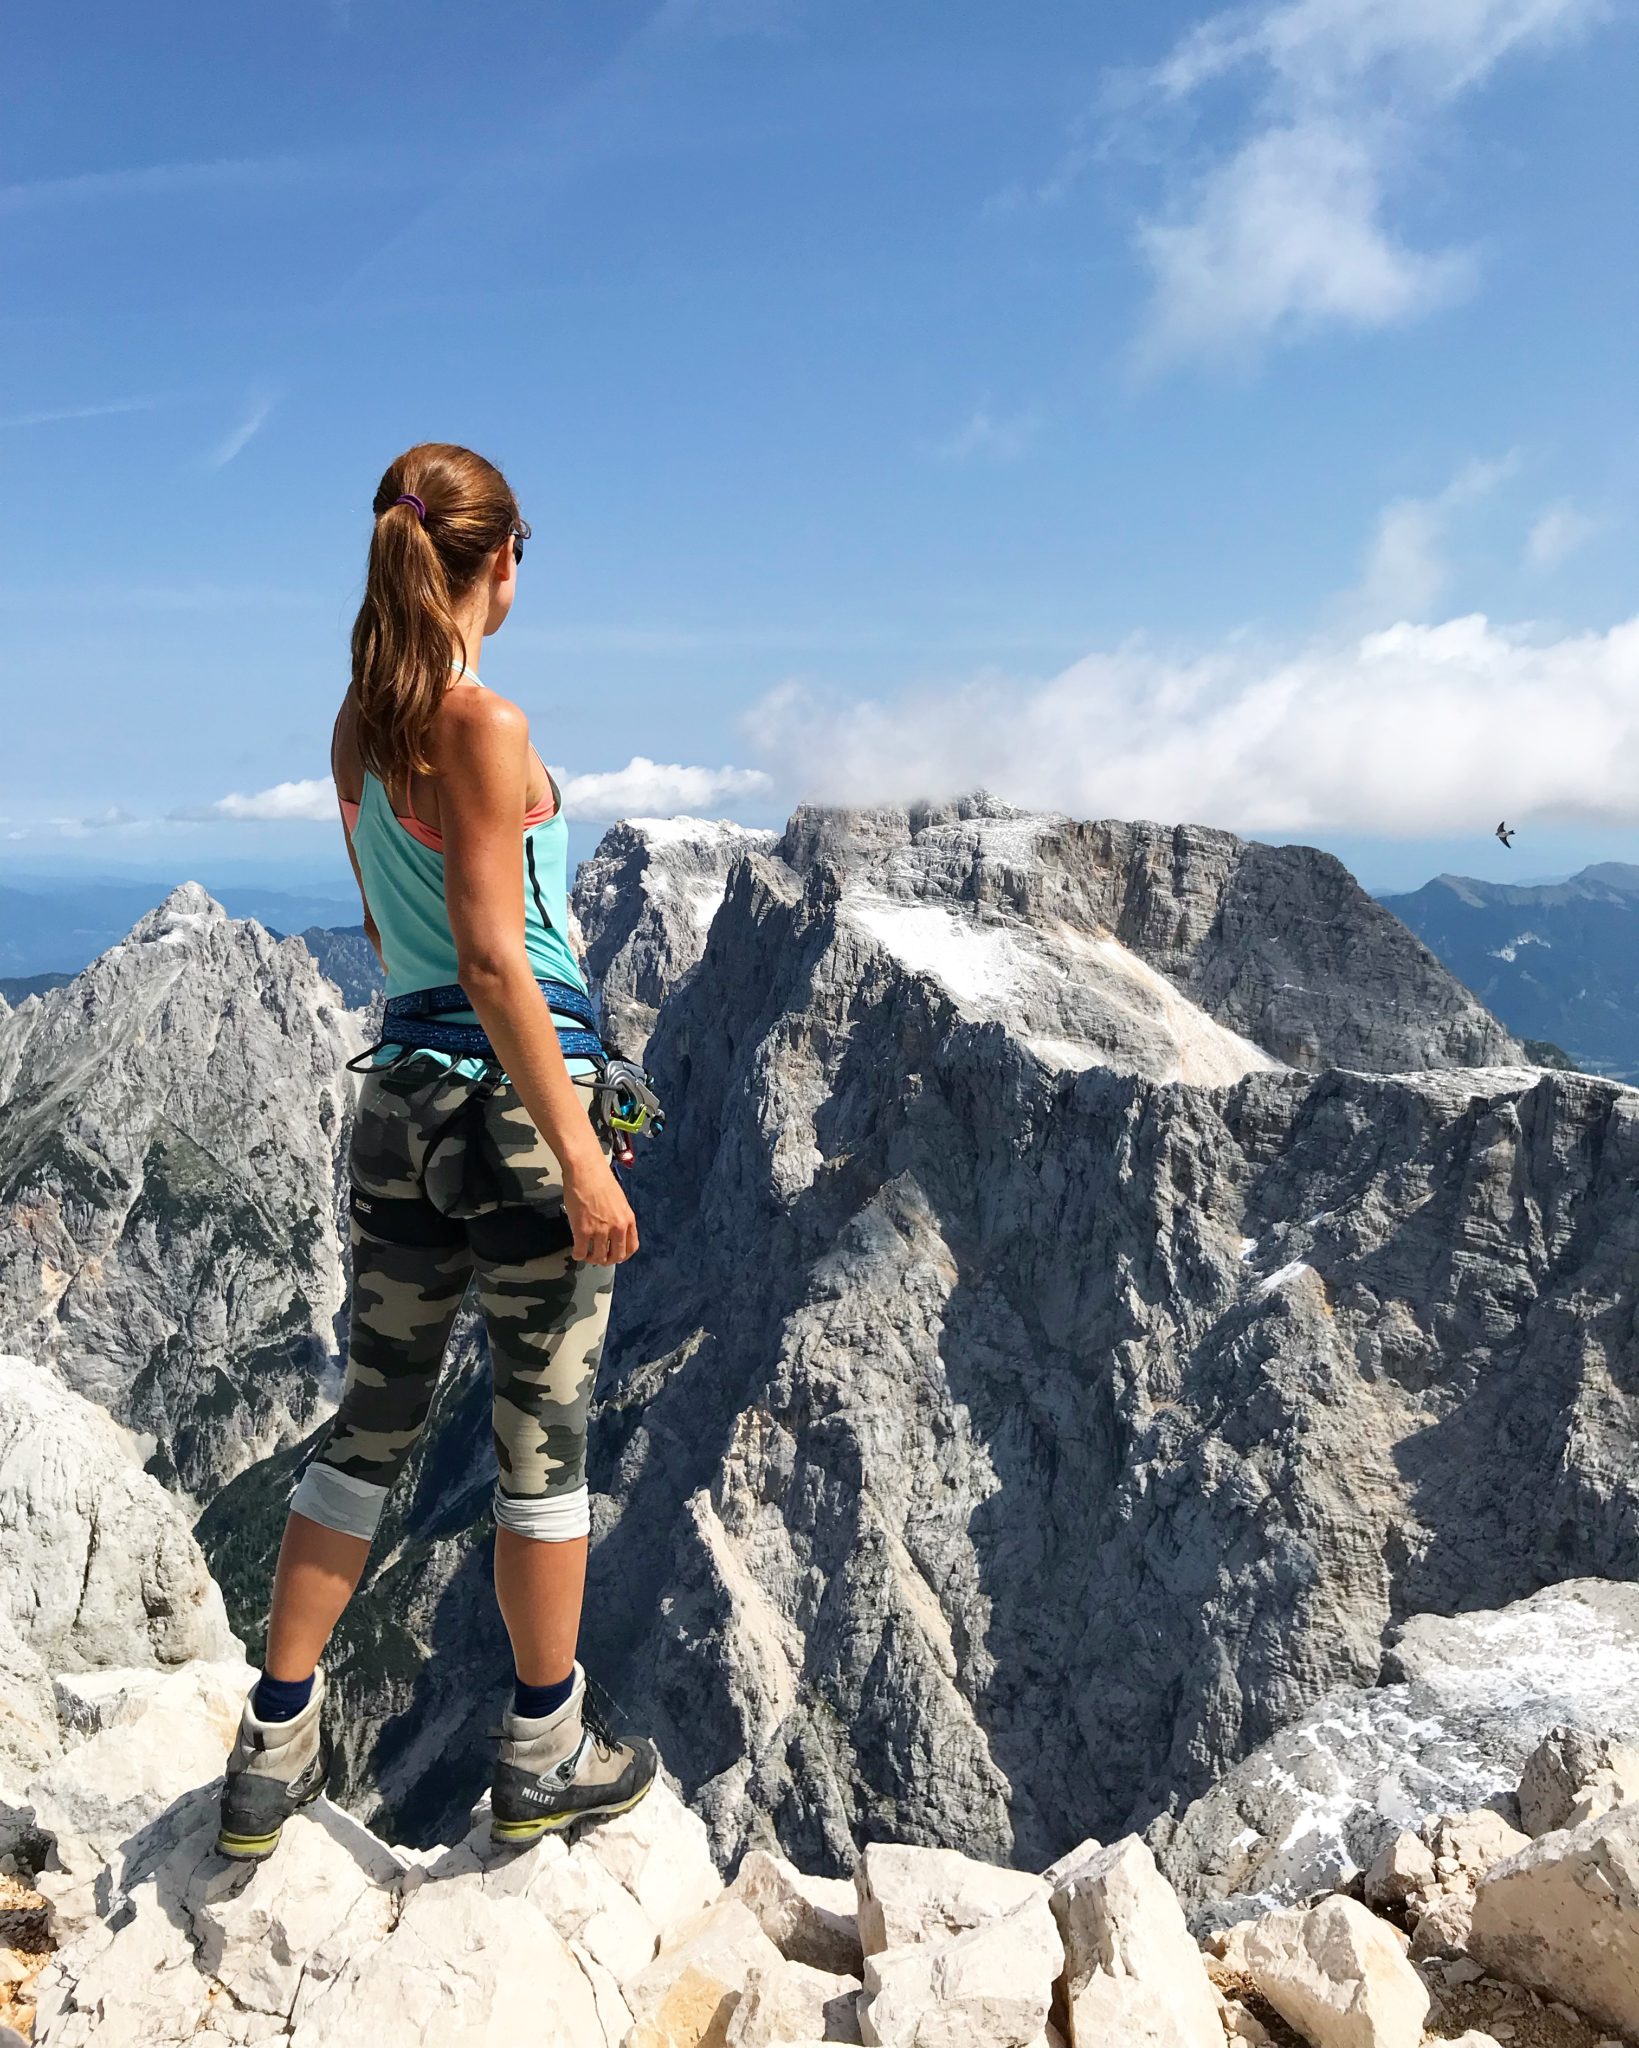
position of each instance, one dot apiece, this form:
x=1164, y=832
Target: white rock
x=1132, y=1971
x=1572, y=1776
x=992, y=1984
x=148, y=1993
x=258, y=1924
x=1334, y=1973
x=139, y=1986
x=1470, y=1843
x=1563, y=1917
x=98, y=1565
x=1402, y=1871
x=109, y=1785
x=688, y=1994
x=29, y=1734
x=95, y=1796
x=591, y=1908
x=89, y=1701
x=614, y=2014
x=660, y=1853
x=794, y=2002
x=911, y=1894
x=1442, y=1929
x=1241, y=2025
x=813, y=1920
x=461, y=1969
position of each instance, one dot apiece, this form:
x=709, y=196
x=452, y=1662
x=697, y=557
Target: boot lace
x=597, y=1712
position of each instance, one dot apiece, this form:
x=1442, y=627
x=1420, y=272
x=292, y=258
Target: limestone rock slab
x=993, y=1983
x=909, y=1894
x=813, y=1920
x=1335, y=1973
x=1563, y=1917
x=1132, y=1971
x=1573, y=1775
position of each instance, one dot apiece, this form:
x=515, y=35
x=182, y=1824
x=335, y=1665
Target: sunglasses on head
x=520, y=533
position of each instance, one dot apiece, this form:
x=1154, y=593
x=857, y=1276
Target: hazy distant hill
x=1554, y=960
x=59, y=924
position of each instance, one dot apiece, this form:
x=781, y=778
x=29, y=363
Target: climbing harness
x=623, y=1095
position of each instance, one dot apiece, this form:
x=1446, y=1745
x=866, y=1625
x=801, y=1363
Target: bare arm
x=483, y=758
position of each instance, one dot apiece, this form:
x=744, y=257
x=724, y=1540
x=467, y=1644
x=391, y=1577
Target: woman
x=475, y=1153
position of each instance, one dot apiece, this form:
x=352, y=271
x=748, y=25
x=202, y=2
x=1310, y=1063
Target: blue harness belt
x=413, y=1020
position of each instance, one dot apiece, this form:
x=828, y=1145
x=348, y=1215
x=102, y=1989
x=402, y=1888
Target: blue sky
x=1223, y=415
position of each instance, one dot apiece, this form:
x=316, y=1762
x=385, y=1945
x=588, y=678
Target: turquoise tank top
x=403, y=869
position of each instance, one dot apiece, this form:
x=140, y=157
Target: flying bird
x=1505, y=832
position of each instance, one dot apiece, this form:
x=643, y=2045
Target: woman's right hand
x=599, y=1215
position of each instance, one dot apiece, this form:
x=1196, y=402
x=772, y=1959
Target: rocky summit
x=170, y=1131
x=1511, y=1922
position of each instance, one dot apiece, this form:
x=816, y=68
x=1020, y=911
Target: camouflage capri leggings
x=451, y=1180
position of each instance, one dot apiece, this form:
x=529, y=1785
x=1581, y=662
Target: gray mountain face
x=1557, y=960
x=645, y=901
x=1002, y=1434
x=170, y=1132
x=346, y=957
x=1038, y=1385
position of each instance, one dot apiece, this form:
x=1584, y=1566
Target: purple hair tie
x=410, y=498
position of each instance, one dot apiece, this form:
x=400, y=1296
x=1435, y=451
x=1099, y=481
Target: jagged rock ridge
x=1279, y=943
x=624, y=1935
x=645, y=901
x=1034, y=1434
x=171, y=1124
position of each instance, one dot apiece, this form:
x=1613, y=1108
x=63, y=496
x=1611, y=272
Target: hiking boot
x=276, y=1768
x=554, y=1771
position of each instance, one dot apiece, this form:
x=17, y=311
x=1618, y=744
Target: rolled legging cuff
x=338, y=1500
x=547, y=1518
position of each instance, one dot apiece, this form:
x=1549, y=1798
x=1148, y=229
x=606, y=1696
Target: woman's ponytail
x=441, y=513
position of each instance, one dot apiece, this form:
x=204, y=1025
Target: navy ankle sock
x=530, y=1702
x=280, y=1699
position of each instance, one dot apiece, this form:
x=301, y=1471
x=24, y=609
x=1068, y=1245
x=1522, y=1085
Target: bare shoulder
x=473, y=723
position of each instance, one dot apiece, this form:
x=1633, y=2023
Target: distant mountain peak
x=189, y=907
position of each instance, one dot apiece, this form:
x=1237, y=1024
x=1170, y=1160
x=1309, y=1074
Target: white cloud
x=1416, y=729
x=112, y=818
x=314, y=798
x=1001, y=438
x=1557, y=535
x=53, y=415
x=1291, y=229
x=236, y=439
x=1406, y=568
x=645, y=788
x=1285, y=238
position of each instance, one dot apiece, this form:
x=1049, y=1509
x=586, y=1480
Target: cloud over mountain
x=1416, y=728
